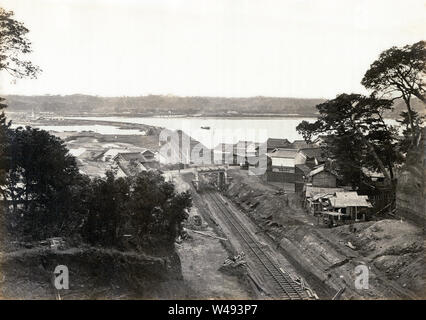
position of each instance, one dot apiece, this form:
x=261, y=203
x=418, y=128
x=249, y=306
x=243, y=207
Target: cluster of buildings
x=124, y=162
x=301, y=167
x=293, y=166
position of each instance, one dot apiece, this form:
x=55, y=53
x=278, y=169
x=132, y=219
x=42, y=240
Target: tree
x=157, y=209
x=41, y=174
x=400, y=73
x=13, y=43
x=308, y=129
x=144, y=206
x=359, y=136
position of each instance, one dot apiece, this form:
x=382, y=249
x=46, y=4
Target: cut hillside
x=392, y=249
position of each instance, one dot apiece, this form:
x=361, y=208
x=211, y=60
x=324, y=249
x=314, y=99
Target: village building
x=285, y=160
x=320, y=140
x=314, y=156
x=281, y=167
x=350, y=205
x=301, y=144
x=322, y=176
x=313, y=197
x=272, y=144
x=377, y=177
x=133, y=162
x=336, y=205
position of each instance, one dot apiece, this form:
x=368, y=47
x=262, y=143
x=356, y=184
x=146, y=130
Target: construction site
x=277, y=251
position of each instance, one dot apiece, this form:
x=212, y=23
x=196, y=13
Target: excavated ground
x=393, y=250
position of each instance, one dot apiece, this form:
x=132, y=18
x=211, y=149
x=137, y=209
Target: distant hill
x=163, y=105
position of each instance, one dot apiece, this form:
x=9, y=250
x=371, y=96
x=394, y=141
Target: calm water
x=229, y=130
x=102, y=129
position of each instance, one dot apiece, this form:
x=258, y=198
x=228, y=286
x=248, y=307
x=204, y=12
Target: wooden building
x=323, y=177
x=313, y=156
x=350, y=204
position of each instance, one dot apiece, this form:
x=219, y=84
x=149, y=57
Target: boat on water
x=205, y=128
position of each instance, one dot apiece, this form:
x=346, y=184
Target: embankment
x=94, y=273
x=326, y=258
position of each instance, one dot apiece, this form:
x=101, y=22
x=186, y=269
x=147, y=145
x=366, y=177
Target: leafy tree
x=157, y=210
x=144, y=206
x=400, y=73
x=40, y=176
x=13, y=43
x=308, y=129
x=359, y=137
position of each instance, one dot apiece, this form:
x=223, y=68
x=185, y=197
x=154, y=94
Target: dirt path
x=202, y=256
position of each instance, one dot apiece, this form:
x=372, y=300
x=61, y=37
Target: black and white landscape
x=212, y=149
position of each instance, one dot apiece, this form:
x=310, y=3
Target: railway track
x=284, y=286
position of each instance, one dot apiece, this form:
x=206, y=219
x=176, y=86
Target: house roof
x=306, y=169
x=111, y=153
x=283, y=153
x=277, y=143
x=300, y=144
x=349, y=199
x=311, y=191
x=321, y=139
x=322, y=196
x=313, y=153
x=372, y=174
x=128, y=156
x=151, y=165
x=145, y=151
x=321, y=168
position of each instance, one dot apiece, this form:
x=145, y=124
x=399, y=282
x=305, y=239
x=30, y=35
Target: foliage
x=400, y=73
x=49, y=197
x=13, y=43
x=358, y=135
x=39, y=182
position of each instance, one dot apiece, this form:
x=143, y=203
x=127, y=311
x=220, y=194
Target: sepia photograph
x=214, y=155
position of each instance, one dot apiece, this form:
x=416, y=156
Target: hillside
x=78, y=104
x=171, y=105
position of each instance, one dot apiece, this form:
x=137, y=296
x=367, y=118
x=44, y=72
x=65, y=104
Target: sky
x=231, y=48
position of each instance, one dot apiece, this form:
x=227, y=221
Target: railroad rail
x=285, y=287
